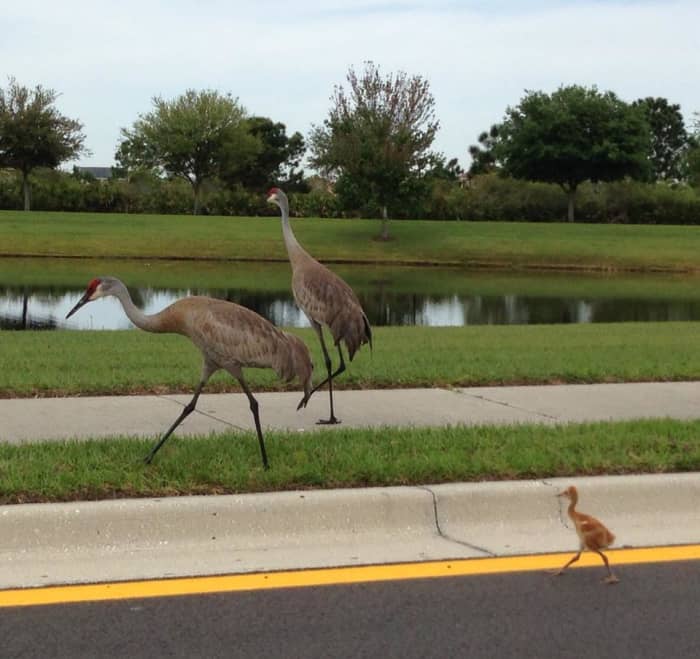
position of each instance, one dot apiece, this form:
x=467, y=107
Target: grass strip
x=503, y=244
x=373, y=283
x=230, y=463
x=74, y=363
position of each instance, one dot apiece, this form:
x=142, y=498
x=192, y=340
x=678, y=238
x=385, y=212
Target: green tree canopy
x=279, y=157
x=376, y=139
x=197, y=137
x=669, y=138
x=33, y=133
x=573, y=135
x=483, y=154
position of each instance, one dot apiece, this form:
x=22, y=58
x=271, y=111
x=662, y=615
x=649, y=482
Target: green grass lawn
x=503, y=244
x=36, y=363
x=99, y=469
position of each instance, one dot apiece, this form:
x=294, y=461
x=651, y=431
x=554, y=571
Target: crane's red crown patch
x=93, y=285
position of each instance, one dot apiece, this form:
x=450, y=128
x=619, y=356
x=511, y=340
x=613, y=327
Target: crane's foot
x=555, y=573
x=327, y=422
x=611, y=579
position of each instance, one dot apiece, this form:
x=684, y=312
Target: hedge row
x=488, y=197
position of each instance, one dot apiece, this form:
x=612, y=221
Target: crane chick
x=592, y=533
x=229, y=336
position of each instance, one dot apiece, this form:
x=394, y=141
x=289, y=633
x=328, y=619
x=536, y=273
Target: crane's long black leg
x=256, y=417
x=332, y=419
x=337, y=372
x=189, y=408
x=208, y=369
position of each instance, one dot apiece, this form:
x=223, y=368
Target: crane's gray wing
x=233, y=336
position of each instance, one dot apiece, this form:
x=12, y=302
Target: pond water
x=37, y=294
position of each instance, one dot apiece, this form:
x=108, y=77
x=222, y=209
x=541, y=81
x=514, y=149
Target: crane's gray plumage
x=325, y=299
x=229, y=336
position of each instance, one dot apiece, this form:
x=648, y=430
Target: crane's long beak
x=83, y=300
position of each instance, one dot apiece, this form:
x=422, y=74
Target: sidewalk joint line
x=506, y=404
x=559, y=504
x=206, y=414
x=444, y=535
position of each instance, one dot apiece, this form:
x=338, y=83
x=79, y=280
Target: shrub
x=486, y=197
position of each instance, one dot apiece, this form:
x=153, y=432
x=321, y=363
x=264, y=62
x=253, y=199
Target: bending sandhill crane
x=325, y=299
x=229, y=337
x=592, y=533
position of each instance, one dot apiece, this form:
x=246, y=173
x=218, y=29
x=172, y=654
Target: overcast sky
x=282, y=59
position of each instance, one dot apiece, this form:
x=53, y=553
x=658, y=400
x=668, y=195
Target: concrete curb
x=81, y=542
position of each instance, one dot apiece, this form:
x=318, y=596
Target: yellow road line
x=330, y=576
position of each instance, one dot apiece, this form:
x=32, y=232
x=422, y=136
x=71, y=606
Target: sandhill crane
x=229, y=337
x=592, y=533
x=325, y=299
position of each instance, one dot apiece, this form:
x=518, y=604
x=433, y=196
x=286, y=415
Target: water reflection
x=46, y=307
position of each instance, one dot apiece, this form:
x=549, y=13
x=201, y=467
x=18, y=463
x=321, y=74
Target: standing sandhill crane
x=592, y=533
x=325, y=299
x=229, y=337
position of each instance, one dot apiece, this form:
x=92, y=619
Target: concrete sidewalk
x=60, y=418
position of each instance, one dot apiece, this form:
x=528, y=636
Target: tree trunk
x=27, y=191
x=195, y=208
x=25, y=309
x=572, y=199
x=385, y=224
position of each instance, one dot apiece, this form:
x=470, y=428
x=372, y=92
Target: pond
x=37, y=293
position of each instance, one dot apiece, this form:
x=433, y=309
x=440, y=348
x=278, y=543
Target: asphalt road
x=653, y=612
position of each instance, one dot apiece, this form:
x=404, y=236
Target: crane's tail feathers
x=368, y=331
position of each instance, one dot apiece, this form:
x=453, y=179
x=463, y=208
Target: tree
x=196, y=137
x=33, y=133
x=483, y=154
x=573, y=135
x=279, y=156
x=693, y=155
x=669, y=138
x=376, y=139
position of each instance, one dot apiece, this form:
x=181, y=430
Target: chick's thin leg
x=560, y=571
x=611, y=578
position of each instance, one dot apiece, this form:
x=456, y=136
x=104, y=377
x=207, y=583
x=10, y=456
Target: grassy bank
x=370, y=281
x=503, y=244
x=127, y=362
x=342, y=458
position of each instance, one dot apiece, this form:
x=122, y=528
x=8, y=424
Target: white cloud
x=282, y=59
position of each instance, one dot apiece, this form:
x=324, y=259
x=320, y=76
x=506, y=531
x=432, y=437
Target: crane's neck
x=572, y=505
x=294, y=249
x=134, y=314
